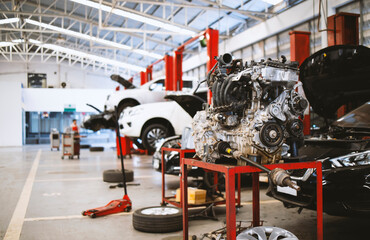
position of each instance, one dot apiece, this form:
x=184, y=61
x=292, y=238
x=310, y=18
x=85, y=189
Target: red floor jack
x=115, y=206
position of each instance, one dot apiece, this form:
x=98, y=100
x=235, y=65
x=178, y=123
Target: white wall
x=54, y=100
x=75, y=77
x=10, y=113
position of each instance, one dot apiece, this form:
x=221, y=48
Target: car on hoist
x=333, y=77
x=148, y=124
x=152, y=91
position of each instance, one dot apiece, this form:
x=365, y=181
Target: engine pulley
x=271, y=134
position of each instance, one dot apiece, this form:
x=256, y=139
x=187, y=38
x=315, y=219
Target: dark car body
x=332, y=77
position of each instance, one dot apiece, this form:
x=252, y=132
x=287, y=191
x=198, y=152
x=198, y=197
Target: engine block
x=255, y=108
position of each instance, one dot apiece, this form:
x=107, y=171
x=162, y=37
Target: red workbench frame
x=230, y=172
x=166, y=200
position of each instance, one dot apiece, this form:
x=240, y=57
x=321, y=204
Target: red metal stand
x=126, y=145
x=167, y=200
x=299, y=51
x=230, y=172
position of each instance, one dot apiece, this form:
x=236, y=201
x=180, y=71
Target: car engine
x=255, y=109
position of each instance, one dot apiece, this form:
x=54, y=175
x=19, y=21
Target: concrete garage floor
x=48, y=204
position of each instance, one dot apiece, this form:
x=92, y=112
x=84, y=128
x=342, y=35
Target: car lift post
x=177, y=69
x=299, y=51
x=143, y=78
x=169, y=81
x=149, y=73
x=212, y=37
x=343, y=29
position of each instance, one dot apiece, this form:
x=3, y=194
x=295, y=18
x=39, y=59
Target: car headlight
x=86, y=118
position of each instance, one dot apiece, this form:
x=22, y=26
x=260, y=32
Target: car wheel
x=115, y=175
x=161, y=219
x=153, y=134
x=266, y=233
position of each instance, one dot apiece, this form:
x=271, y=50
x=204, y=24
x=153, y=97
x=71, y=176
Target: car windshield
x=358, y=118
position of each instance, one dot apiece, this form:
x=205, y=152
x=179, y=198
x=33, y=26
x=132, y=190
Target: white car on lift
x=152, y=91
x=148, y=124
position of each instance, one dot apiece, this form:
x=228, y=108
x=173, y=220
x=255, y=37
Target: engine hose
x=210, y=72
x=228, y=97
x=221, y=91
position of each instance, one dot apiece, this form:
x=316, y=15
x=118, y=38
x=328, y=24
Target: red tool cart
x=171, y=199
x=70, y=145
x=230, y=172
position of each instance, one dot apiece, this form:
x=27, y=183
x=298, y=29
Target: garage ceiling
x=119, y=36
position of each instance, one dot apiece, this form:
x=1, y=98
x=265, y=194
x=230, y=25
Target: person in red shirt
x=74, y=126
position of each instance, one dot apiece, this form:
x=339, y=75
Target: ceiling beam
x=214, y=7
x=61, y=14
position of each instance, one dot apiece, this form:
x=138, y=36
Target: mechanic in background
x=74, y=126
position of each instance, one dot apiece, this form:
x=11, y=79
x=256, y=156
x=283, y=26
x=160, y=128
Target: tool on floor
x=119, y=205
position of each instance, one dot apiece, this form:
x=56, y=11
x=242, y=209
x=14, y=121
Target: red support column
x=343, y=29
x=212, y=52
x=299, y=51
x=143, y=79
x=149, y=73
x=177, y=69
x=169, y=81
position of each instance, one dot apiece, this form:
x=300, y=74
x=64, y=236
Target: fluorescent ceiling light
x=135, y=17
x=94, y=39
x=18, y=41
x=272, y=2
x=9, y=20
x=6, y=44
x=88, y=56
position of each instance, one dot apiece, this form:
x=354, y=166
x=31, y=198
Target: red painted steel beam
x=299, y=51
x=177, y=70
x=212, y=37
x=169, y=81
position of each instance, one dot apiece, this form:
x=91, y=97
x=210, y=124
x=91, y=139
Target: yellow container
x=195, y=196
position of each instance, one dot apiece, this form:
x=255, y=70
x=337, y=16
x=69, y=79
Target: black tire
x=96, y=149
x=157, y=223
x=152, y=134
x=115, y=175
